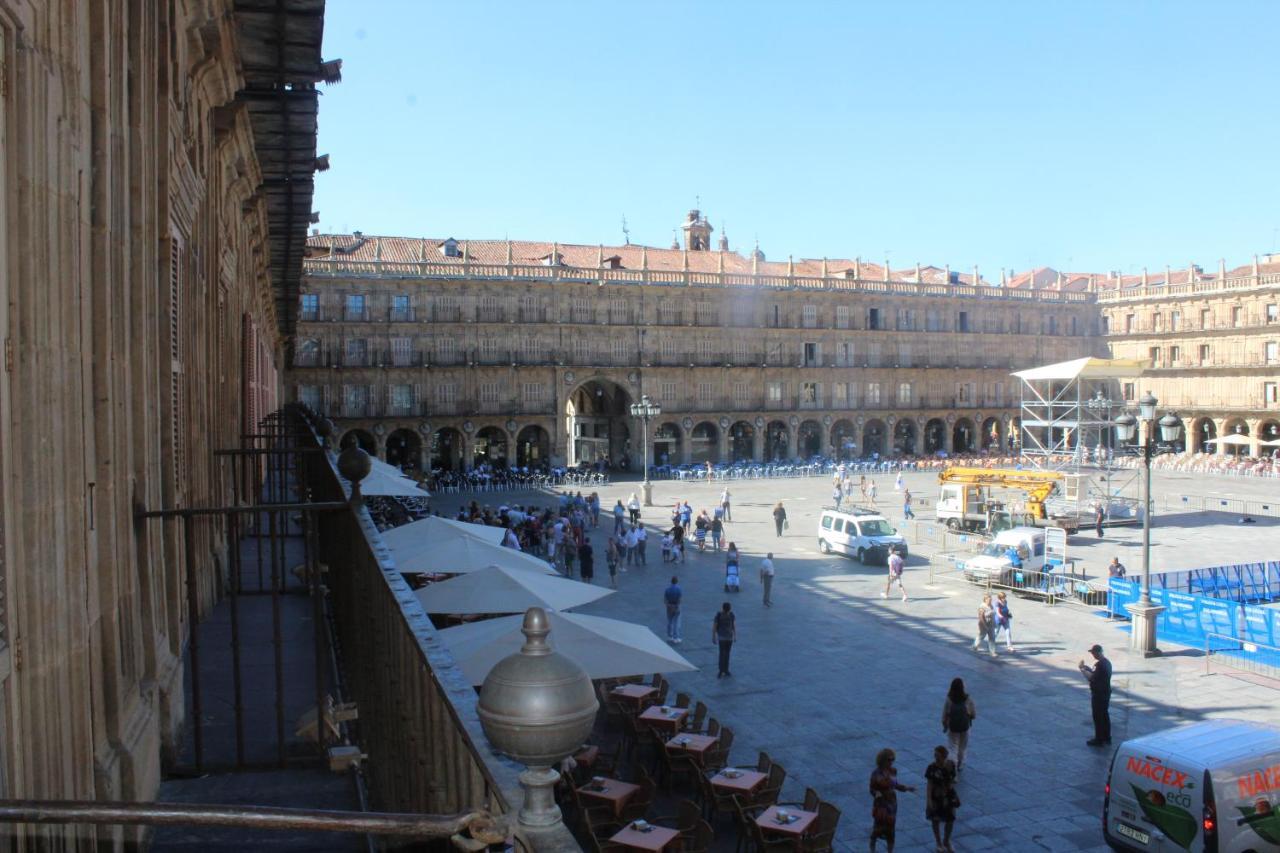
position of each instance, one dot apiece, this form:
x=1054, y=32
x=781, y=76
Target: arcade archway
x=533, y=448
x=742, y=442
x=704, y=443
x=490, y=447
x=777, y=440
x=873, y=438
x=844, y=439
x=935, y=436
x=991, y=434
x=667, y=445
x=1203, y=431
x=404, y=448
x=963, y=437
x=904, y=437
x=362, y=438
x=809, y=440
x=595, y=416
x=1237, y=426
x=446, y=450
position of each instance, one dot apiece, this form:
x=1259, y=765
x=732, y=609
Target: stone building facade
x=146, y=285
x=447, y=353
x=1213, y=343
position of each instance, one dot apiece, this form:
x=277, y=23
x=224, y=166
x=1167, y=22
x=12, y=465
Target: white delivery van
x=859, y=533
x=1210, y=787
x=993, y=563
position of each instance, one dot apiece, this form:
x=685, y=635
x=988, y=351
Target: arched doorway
x=962, y=436
x=363, y=438
x=1204, y=430
x=704, y=443
x=1237, y=426
x=904, y=437
x=667, y=447
x=1269, y=431
x=809, y=440
x=991, y=434
x=873, y=436
x=596, y=415
x=935, y=436
x=1015, y=435
x=404, y=448
x=776, y=441
x=742, y=442
x=446, y=450
x=490, y=447
x=844, y=439
x=533, y=448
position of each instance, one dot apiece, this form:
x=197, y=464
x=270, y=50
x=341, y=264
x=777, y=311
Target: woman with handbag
x=958, y=714
x=941, y=799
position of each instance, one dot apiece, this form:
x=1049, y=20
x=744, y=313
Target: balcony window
x=356, y=308
x=810, y=315
x=1204, y=354
x=401, y=352
x=873, y=394
x=357, y=354
x=401, y=399
x=1273, y=352
x=307, y=353
x=810, y=354
x=904, y=393
x=842, y=316
x=310, y=306
x=400, y=311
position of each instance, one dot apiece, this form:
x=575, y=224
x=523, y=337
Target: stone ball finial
x=354, y=464
x=537, y=706
x=324, y=429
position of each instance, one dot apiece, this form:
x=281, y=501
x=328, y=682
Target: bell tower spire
x=697, y=232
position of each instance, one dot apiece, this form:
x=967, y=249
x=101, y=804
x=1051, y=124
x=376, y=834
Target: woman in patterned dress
x=884, y=793
x=941, y=800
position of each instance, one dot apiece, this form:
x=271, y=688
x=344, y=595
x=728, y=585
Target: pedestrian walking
x=686, y=515
x=986, y=626
x=779, y=517
x=717, y=531
x=611, y=558
x=724, y=630
x=619, y=513
x=836, y=495
x=897, y=482
x=672, y=598
x=642, y=539
x=666, y=547
x=632, y=543
x=732, y=581
x=633, y=508
x=941, y=799
x=871, y=492
x=1004, y=620
x=884, y=803
x=907, y=514
x=1099, y=516
x=724, y=504
x=677, y=543
x=570, y=554
x=896, y=564
x=1099, y=678
x=586, y=561
x=700, y=530
x=958, y=714
x=593, y=507
x=766, y=578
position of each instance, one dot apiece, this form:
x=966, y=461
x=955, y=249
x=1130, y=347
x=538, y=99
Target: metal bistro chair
x=810, y=804
x=821, y=836
x=693, y=722
x=683, y=700
x=769, y=792
x=718, y=756
x=750, y=834
x=675, y=764
x=763, y=762
x=686, y=819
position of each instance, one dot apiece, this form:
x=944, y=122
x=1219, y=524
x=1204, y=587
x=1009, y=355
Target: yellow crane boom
x=1038, y=485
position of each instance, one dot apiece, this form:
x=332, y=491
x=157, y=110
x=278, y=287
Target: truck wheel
x=824, y=546
x=953, y=523
x=862, y=556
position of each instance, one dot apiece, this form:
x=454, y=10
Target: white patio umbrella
x=502, y=589
x=1233, y=440
x=391, y=471
x=1275, y=442
x=605, y=648
x=451, y=549
x=379, y=482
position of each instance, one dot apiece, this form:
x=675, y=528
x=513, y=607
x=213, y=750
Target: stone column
x=723, y=441
x=757, y=445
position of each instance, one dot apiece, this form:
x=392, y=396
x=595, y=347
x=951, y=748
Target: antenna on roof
x=697, y=202
x=626, y=234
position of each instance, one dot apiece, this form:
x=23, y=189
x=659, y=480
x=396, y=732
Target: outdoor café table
x=696, y=745
x=670, y=720
x=657, y=837
x=614, y=793
x=634, y=694
x=796, y=827
x=743, y=782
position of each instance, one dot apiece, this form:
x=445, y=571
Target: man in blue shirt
x=672, y=597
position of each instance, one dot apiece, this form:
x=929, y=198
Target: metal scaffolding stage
x=1065, y=425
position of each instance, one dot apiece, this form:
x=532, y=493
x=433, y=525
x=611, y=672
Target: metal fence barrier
x=1209, y=503
x=1241, y=655
x=1051, y=587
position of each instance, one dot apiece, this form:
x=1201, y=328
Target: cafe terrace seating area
x=660, y=775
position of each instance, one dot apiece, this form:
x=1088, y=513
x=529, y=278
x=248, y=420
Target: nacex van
x=1210, y=787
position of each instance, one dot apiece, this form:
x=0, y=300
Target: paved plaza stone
x=832, y=672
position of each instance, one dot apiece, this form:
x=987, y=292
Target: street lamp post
x=646, y=410
x=1143, y=637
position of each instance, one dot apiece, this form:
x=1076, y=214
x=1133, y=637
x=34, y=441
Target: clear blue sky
x=1083, y=136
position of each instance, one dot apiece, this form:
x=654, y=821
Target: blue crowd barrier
x=1189, y=618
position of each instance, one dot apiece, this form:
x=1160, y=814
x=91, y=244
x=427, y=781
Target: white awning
x=1087, y=368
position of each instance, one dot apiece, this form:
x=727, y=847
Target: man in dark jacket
x=1099, y=678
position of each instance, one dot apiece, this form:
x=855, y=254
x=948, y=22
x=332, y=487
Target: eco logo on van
x=1262, y=818
x=1175, y=822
